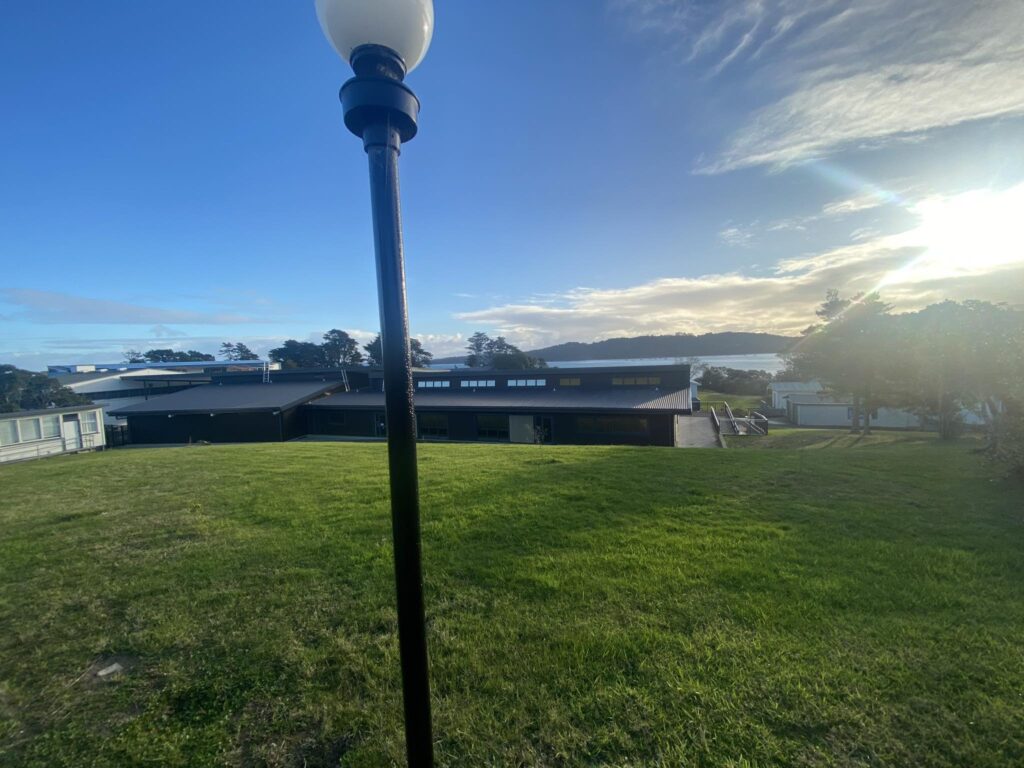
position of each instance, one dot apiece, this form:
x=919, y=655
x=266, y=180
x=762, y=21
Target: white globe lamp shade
x=404, y=26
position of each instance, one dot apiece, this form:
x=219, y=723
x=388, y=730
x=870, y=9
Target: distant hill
x=676, y=345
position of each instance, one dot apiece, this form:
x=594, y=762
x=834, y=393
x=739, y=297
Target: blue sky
x=180, y=175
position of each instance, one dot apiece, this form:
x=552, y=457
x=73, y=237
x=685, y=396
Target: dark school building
x=225, y=413
x=571, y=406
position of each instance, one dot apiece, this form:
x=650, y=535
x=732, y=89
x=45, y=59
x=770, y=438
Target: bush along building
x=573, y=406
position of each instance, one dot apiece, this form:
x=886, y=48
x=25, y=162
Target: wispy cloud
x=735, y=236
x=839, y=74
x=852, y=205
x=51, y=307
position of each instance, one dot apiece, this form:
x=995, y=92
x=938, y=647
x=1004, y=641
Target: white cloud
x=838, y=74
x=912, y=269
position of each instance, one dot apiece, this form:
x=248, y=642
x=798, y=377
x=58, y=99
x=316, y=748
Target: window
x=433, y=384
x=8, y=432
x=432, y=424
x=622, y=425
x=492, y=426
x=90, y=424
x=572, y=381
x=51, y=426
x=478, y=383
x=527, y=382
x=636, y=381
x=30, y=430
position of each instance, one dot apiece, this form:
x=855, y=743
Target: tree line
x=938, y=362
x=339, y=350
x=497, y=353
x=22, y=390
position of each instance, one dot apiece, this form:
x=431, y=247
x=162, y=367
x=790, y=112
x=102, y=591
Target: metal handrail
x=732, y=420
x=758, y=422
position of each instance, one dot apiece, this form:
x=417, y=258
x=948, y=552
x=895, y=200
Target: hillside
x=586, y=607
x=678, y=345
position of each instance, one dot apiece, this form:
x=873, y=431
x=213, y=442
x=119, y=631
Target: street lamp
x=383, y=40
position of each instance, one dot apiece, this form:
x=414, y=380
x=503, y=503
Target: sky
x=179, y=175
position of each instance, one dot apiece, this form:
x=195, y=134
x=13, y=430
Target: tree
x=833, y=306
x=477, y=348
x=419, y=356
x=172, y=356
x=957, y=357
x=22, y=390
x=374, y=352
x=237, y=351
x=485, y=352
x=299, y=354
x=850, y=353
x=731, y=381
x=134, y=356
x=340, y=349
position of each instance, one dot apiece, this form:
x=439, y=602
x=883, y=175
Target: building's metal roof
x=49, y=411
x=795, y=386
x=809, y=399
x=815, y=403
x=230, y=398
x=169, y=378
x=626, y=399
x=71, y=379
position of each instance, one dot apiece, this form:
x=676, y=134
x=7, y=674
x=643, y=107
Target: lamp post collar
x=379, y=107
x=377, y=61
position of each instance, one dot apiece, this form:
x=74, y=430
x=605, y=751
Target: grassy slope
x=741, y=404
x=790, y=438
x=587, y=606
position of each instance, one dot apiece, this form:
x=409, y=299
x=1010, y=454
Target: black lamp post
x=383, y=40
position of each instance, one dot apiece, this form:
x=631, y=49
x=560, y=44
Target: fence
x=117, y=435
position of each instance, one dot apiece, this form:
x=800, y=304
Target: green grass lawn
x=586, y=607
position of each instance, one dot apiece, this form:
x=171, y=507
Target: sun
x=971, y=233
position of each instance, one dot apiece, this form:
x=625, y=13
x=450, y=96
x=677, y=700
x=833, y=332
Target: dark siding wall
x=463, y=426
x=660, y=431
x=321, y=421
x=222, y=428
x=293, y=423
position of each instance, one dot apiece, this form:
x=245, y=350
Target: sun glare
x=970, y=233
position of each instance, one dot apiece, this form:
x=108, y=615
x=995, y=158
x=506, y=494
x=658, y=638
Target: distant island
x=675, y=345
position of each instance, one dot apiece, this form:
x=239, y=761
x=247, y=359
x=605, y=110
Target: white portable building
x=34, y=434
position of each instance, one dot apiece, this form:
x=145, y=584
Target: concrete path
x=696, y=431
